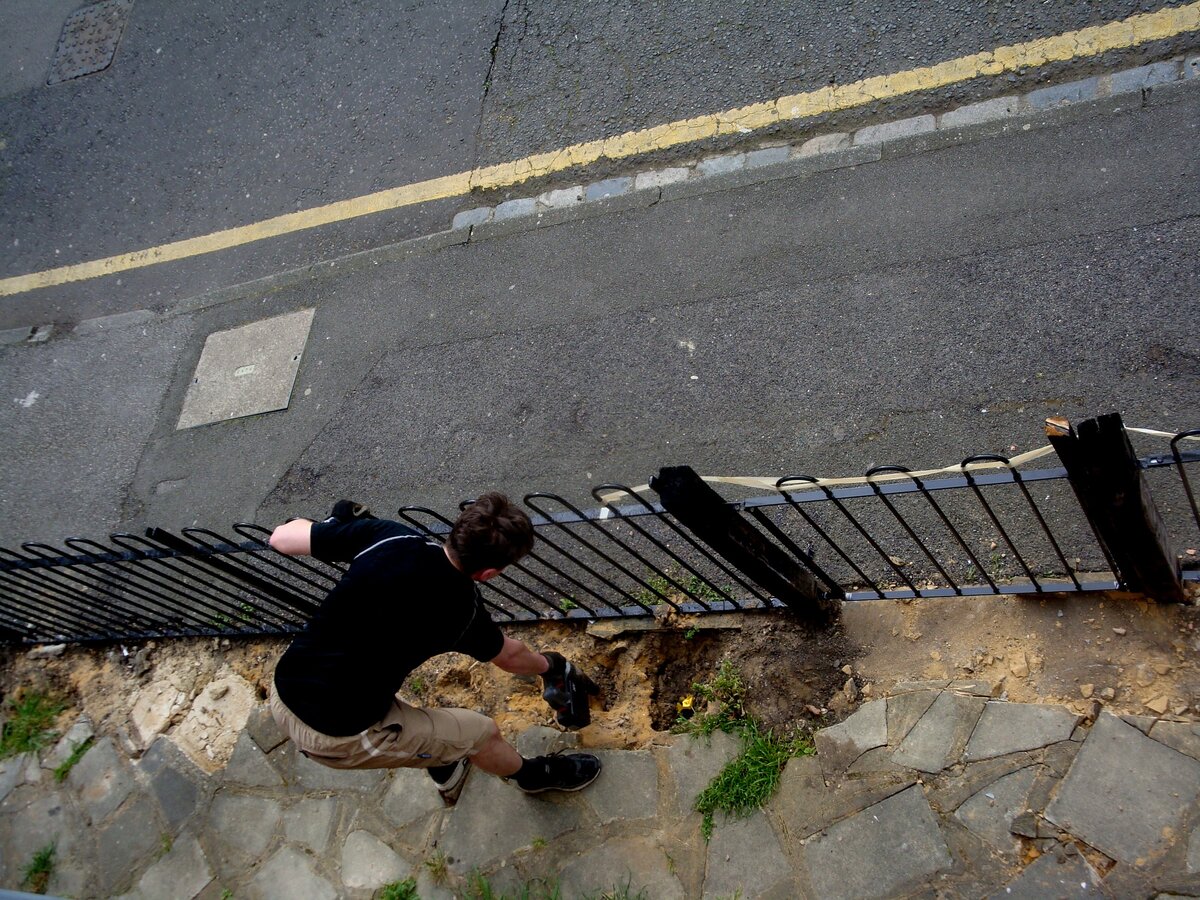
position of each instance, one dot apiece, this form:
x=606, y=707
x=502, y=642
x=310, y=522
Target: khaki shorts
x=407, y=737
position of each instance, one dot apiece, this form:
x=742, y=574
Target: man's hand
x=518, y=659
x=567, y=691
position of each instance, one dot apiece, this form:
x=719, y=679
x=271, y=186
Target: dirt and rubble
x=1121, y=652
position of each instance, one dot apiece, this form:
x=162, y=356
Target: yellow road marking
x=1130, y=32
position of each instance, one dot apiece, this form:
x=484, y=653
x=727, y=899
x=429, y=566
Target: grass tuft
x=438, y=867
x=749, y=780
x=400, y=890
x=64, y=768
x=37, y=873
x=619, y=892
x=725, y=695
x=29, y=725
x=479, y=888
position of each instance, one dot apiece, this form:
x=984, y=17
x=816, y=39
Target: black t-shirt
x=400, y=603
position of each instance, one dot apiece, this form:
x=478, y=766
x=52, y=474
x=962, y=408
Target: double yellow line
x=1126, y=33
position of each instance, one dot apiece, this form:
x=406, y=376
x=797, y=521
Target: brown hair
x=491, y=533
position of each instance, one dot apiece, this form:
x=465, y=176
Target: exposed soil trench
x=1128, y=654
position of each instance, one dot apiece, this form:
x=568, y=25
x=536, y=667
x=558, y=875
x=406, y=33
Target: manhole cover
x=246, y=371
x=89, y=39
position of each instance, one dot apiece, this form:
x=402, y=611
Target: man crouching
x=403, y=600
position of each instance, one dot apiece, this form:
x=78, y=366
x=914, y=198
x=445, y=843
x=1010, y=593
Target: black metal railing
x=987, y=528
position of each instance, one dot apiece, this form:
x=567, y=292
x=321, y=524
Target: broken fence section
x=988, y=528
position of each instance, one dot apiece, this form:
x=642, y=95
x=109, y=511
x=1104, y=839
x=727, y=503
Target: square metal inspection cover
x=89, y=40
x=246, y=371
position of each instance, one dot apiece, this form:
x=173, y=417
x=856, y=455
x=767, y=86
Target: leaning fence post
x=703, y=512
x=1111, y=488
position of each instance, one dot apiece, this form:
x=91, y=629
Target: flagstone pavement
x=937, y=790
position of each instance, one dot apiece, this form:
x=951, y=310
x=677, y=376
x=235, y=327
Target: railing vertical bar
x=94, y=583
x=1046, y=529
x=213, y=595
x=879, y=470
x=1004, y=460
x=69, y=594
x=529, y=502
x=164, y=602
x=808, y=479
x=505, y=576
x=22, y=603
x=1183, y=476
x=955, y=533
x=661, y=517
x=760, y=515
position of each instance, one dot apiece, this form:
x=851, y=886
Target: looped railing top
x=968, y=530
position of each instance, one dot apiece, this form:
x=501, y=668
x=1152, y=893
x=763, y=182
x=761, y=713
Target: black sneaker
x=451, y=789
x=561, y=771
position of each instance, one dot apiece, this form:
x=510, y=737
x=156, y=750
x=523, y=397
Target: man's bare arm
x=293, y=538
x=515, y=657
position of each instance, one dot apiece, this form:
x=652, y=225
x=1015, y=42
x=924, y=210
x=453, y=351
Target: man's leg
x=498, y=756
x=553, y=772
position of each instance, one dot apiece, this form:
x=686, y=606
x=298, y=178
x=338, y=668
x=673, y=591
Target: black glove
x=348, y=511
x=567, y=690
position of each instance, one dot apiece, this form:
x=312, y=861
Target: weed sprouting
x=746, y=782
x=479, y=888
x=64, y=768
x=619, y=892
x=400, y=890
x=438, y=867
x=37, y=874
x=725, y=696
x=749, y=780
x=28, y=728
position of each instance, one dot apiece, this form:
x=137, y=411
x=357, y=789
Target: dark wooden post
x=702, y=511
x=1115, y=497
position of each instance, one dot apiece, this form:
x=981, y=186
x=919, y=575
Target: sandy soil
x=1126, y=653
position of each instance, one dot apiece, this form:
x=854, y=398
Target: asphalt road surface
x=913, y=310
x=220, y=114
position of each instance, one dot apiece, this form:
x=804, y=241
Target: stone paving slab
x=1181, y=736
x=880, y=852
x=636, y=771
x=241, y=827
x=1048, y=876
x=182, y=874
x=101, y=780
x=77, y=735
x=289, y=875
x=271, y=824
x=1126, y=793
x=494, y=820
x=367, y=862
x=1011, y=727
x=130, y=839
x=990, y=813
x=805, y=804
x=309, y=822
x=249, y=767
x=694, y=763
x=744, y=857
x=938, y=739
x=639, y=863
x=839, y=746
